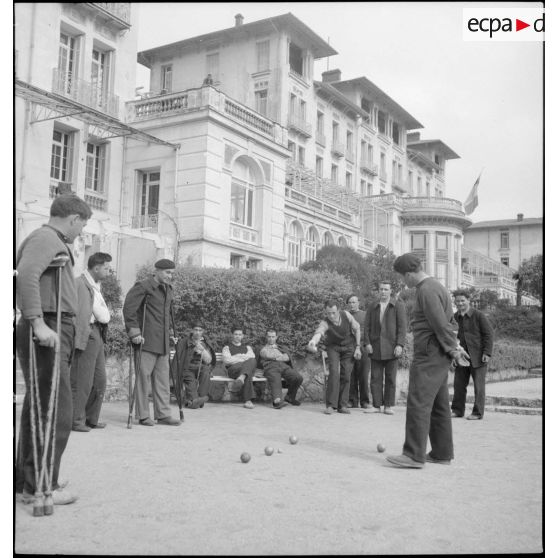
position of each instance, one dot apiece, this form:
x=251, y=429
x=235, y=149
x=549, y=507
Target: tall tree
x=529, y=278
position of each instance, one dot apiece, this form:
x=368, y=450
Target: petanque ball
x=293, y=439
x=381, y=448
x=245, y=457
x=268, y=450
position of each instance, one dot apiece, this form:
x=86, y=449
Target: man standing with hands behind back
x=385, y=327
x=476, y=337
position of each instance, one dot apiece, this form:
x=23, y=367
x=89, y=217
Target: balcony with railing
x=383, y=175
x=338, y=149
x=84, y=92
x=321, y=139
x=244, y=234
x=59, y=187
x=115, y=13
x=349, y=155
x=203, y=98
x=95, y=200
x=368, y=166
x=148, y=222
x=298, y=123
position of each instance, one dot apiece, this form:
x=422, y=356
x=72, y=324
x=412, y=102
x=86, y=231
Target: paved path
x=528, y=388
x=183, y=490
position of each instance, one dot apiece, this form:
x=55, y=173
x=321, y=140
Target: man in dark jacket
x=476, y=337
x=192, y=363
x=435, y=346
x=385, y=327
x=277, y=366
x=88, y=375
x=150, y=301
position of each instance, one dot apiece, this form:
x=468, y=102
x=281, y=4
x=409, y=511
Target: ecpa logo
x=503, y=24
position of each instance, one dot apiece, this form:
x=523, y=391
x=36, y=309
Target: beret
x=164, y=264
x=197, y=323
x=407, y=262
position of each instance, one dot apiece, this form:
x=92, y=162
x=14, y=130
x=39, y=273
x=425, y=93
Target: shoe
x=146, y=422
x=365, y=405
x=194, y=403
x=377, y=409
x=344, y=411
x=279, y=405
x=430, y=459
x=352, y=405
x=474, y=417
x=169, y=421
x=292, y=401
x=248, y=405
x=404, y=462
x=328, y=411
x=81, y=428
x=388, y=411
x=98, y=425
x=63, y=483
x=24, y=497
x=455, y=415
x=63, y=497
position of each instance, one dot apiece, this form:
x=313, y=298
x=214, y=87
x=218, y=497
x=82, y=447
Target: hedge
x=290, y=301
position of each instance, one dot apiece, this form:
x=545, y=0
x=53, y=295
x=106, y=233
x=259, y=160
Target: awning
x=54, y=106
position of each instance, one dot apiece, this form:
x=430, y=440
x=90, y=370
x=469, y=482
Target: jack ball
x=245, y=457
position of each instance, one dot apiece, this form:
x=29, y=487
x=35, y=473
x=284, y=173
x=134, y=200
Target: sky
x=482, y=99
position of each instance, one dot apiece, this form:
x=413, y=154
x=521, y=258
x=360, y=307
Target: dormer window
x=296, y=60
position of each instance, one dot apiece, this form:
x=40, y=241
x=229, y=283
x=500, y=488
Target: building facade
x=508, y=241
x=237, y=156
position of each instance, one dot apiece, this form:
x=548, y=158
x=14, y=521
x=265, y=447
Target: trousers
x=460, y=383
x=275, y=372
x=248, y=367
x=341, y=362
x=383, y=393
x=88, y=379
x=428, y=411
x=360, y=381
x=25, y=465
x=196, y=388
x=154, y=374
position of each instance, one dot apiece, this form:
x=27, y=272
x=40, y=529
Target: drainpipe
x=28, y=104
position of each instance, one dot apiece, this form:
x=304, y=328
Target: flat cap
x=164, y=264
x=407, y=262
x=197, y=323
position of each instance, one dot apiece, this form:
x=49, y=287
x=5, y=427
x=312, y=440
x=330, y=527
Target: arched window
x=328, y=239
x=294, y=240
x=242, y=195
x=312, y=244
x=342, y=241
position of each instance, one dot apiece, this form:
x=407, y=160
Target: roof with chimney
x=318, y=46
x=530, y=221
x=326, y=90
x=381, y=97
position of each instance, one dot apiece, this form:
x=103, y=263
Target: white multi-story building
x=257, y=165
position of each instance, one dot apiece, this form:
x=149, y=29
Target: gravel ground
x=183, y=490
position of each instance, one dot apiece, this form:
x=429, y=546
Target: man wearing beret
x=147, y=316
x=435, y=346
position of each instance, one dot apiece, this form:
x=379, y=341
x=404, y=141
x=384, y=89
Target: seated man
x=240, y=362
x=277, y=365
x=194, y=360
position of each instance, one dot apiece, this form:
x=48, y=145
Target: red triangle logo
x=519, y=25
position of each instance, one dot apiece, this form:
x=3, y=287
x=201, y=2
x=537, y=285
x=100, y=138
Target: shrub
x=117, y=341
x=509, y=354
x=522, y=323
x=290, y=301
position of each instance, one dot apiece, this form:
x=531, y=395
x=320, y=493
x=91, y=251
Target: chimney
x=238, y=20
x=520, y=216
x=331, y=75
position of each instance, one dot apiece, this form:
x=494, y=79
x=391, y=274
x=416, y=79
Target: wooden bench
x=222, y=377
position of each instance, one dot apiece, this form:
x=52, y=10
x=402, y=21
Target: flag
x=473, y=198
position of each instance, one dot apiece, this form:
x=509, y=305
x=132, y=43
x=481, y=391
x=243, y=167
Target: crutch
x=45, y=475
x=137, y=366
x=326, y=374
x=178, y=381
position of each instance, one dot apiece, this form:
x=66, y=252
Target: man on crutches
x=147, y=318
x=47, y=299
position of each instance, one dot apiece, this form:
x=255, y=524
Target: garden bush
x=290, y=301
x=508, y=355
x=522, y=323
